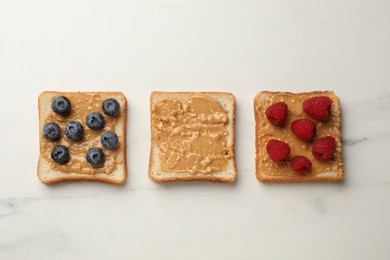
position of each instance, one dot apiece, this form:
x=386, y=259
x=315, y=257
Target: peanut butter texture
x=81, y=105
x=191, y=135
x=298, y=147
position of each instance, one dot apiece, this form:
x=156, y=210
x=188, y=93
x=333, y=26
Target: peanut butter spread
x=269, y=131
x=81, y=105
x=191, y=135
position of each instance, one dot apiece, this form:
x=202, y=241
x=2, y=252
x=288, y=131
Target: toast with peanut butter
x=298, y=137
x=192, y=136
x=82, y=137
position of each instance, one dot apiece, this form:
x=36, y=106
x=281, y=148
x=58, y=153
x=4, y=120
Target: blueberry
x=95, y=156
x=60, y=154
x=111, y=107
x=74, y=130
x=109, y=140
x=95, y=120
x=61, y=105
x=51, y=131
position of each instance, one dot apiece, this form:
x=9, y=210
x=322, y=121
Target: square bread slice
x=269, y=171
x=201, y=165
x=114, y=169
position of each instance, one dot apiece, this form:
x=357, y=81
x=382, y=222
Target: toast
x=268, y=170
x=77, y=168
x=192, y=136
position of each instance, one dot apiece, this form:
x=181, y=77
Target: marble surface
x=238, y=46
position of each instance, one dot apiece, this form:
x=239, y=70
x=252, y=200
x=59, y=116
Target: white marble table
x=238, y=46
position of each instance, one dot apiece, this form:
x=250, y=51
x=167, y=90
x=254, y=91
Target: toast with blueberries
x=298, y=137
x=192, y=136
x=82, y=137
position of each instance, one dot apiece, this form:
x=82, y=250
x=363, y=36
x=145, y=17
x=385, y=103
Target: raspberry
x=304, y=129
x=277, y=113
x=300, y=164
x=277, y=150
x=318, y=107
x=324, y=148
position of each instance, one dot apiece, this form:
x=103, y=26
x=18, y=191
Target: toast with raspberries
x=298, y=137
x=82, y=137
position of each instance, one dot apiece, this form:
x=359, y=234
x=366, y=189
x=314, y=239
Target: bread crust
x=203, y=177
x=71, y=177
x=317, y=177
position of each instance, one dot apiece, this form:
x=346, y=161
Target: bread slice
x=269, y=171
x=48, y=173
x=227, y=101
